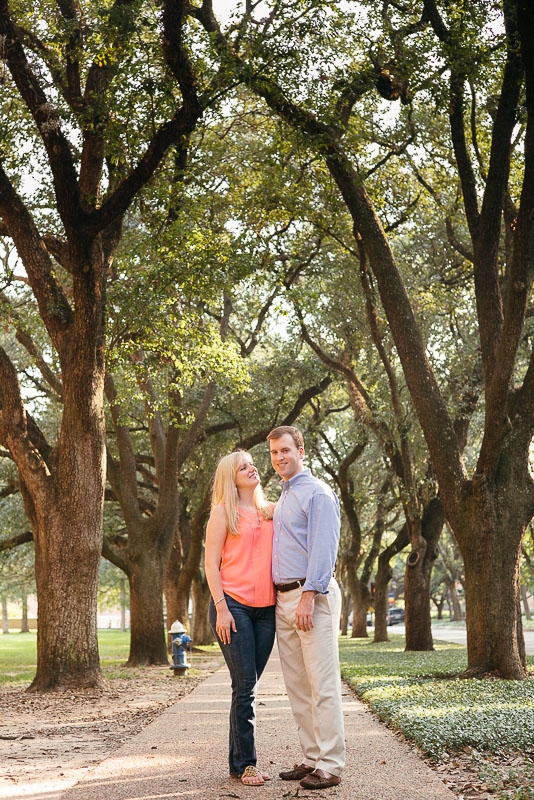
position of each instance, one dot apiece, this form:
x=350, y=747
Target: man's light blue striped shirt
x=306, y=532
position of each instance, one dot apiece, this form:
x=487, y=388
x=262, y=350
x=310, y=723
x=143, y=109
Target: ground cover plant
x=422, y=695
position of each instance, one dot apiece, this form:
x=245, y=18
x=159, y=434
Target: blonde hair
x=225, y=491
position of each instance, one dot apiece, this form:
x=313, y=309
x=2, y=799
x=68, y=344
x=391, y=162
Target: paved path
x=182, y=754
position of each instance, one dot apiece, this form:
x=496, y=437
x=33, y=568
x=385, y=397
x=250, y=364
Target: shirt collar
x=304, y=473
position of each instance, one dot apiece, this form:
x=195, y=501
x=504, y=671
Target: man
x=308, y=607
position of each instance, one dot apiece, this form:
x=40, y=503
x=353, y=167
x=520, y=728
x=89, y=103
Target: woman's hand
x=225, y=623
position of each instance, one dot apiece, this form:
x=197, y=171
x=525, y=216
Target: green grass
x=18, y=654
x=421, y=695
x=113, y=646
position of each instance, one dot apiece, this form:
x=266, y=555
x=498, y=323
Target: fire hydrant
x=180, y=640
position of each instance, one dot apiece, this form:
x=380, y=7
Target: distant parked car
x=395, y=616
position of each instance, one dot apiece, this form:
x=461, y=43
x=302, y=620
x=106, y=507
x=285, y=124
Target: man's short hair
x=295, y=434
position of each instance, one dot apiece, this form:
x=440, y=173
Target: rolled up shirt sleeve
x=323, y=541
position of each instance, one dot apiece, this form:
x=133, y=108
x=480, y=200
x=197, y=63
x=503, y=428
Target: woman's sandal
x=255, y=777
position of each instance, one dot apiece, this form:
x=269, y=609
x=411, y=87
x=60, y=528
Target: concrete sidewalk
x=183, y=754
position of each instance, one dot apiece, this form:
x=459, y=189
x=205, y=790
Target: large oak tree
x=85, y=91
x=455, y=44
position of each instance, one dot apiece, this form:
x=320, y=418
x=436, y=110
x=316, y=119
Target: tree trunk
x=176, y=601
x=63, y=487
x=456, y=615
x=449, y=604
x=178, y=586
x=201, y=632
x=5, y=621
x=524, y=598
x=493, y=601
x=147, y=637
x=384, y=574
x=67, y=646
x=346, y=612
x=424, y=537
x=143, y=560
x=361, y=602
x=24, y=626
x=500, y=319
x=439, y=605
x=417, y=600
x=123, y=604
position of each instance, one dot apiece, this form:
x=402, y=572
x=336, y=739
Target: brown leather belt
x=287, y=587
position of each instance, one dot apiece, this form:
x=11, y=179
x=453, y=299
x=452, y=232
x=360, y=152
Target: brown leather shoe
x=299, y=771
x=318, y=779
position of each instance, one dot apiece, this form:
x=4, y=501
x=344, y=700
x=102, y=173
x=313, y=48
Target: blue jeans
x=246, y=656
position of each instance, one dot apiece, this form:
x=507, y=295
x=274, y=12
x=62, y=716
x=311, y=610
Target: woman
x=239, y=540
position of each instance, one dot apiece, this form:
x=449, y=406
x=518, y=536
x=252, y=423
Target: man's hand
x=304, y=612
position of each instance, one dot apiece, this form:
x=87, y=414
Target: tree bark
x=5, y=620
x=147, y=633
x=361, y=604
x=418, y=573
x=179, y=586
x=382, y=579
x=201, y=632
x=478, y=524
x=495, y=640
x=149, y=544
x=383, y=576
x=67, y=646
x=24, y=626
x=439, y=603
x=524, y=598
x=456, y=607
x=360, y=586
x=177, y=603
x=123, y=604
x=347, y=605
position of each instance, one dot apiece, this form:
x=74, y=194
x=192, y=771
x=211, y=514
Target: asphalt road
x=459, y=636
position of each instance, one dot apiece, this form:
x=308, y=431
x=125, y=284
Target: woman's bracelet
x=219, y=601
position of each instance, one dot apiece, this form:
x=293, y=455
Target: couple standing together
x=271, y=566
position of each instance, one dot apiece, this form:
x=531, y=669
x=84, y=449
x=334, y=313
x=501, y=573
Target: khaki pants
x=310, y=664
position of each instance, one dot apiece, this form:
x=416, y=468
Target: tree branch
x=521, y=273
x=115, y=555
x=498, y=349
x=53, y=305
x=28, y=343
x=18, y=432
x=96, y=114
x=428, y=401
x=304, y=397
x=122, y=475
x=174, y=16
x=372, y=317
x=16, y=541
x=119, y=200
x=47, y=121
